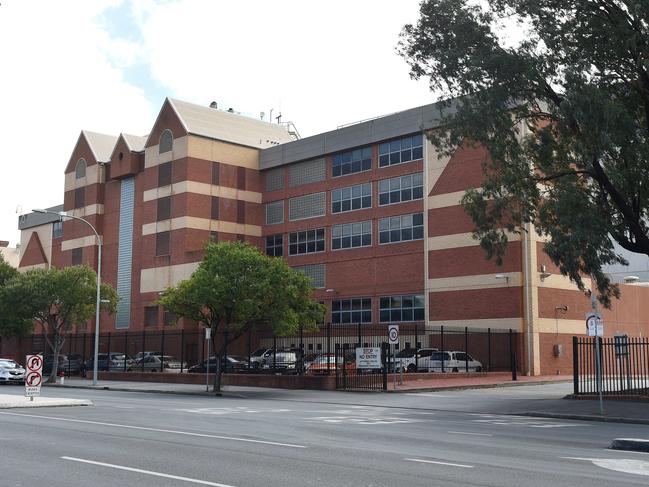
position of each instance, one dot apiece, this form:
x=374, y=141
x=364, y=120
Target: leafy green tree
x=563, y=114
x=236, y=288
x=57, y=299
x=9, y=327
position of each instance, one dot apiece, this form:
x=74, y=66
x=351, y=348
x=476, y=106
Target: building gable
x=34, y=254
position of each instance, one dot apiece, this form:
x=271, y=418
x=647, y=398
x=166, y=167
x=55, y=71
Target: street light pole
x=63, y=214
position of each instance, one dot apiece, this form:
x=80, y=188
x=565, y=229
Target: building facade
x=371, y=212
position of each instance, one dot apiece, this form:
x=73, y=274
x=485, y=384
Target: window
x=401, y=150
x=351, y=162
x=274, y=245
x=164, y=174
x=80, y=197
x=402, y=308
x=214, y=211
x=241, y=177
x=306, y=242
x=164, y=208
x=169, y=318
x=166, y=141
x=401, y=228
x=400, y=189
x=241, y=211
x=80, y=169
x=214, y=237
x=275, y=179
x=307, y=172
x=57, y=229
x=274, y=212
x=307, y=206
x=355, y=310
x=316, y=272
x=216, y=177
x=351, y=198
x=162, y=243
x=150, y=315
x=77, y=256
x=350, y=235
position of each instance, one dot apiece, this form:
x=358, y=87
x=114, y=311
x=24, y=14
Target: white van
x=453, y=361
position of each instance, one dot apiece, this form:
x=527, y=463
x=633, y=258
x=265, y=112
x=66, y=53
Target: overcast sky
x=107, y=65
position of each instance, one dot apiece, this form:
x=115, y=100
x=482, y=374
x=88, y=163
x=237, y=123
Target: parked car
x=453, y=361
x=159, y=363
x=423, y=357
x=257, y=357
x=232, y=364
x=11, y=372
x=112, y=362
x=308, y=359
x=65, y=365
x=286, y=362
x=140, y=355
x=327, y=362
x=404, y=360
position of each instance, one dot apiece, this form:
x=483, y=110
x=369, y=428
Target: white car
x=11, y=372
x=453, y=361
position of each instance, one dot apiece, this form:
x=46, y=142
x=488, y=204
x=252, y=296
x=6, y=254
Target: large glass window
x=274, y=244
x=402, y=308
x=400, y=189
x=401, y=228
x=57, y=229
x=355, y=310
x=80, y=197
x=349, y=235
x=306, y=242
x=162, y=243
x=166, y=141
x=350, y=162
x=80, y=169
x=401, y=150
x=351, y=198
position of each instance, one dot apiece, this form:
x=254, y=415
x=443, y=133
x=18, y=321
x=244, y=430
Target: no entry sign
x=33, y=375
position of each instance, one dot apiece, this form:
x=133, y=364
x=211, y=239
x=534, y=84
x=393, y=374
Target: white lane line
x=147, y=472
x=438, y=463
x=429, y=394
x=157, y=430
x=468, y=433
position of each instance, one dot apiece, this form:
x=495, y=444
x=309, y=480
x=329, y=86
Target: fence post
x=69, y=353
x=328, y=347
x=360, y=344
x=84, y=346
x=162, y=350
x=344, y=355
x=466, y=349
x=441, y=341
x=301, y=369
x=512, y=356
x=249, y=345
x=384, y=358
x=274, y=350
x=108, y=355
x=125, y=349
x=575, y=366
x=488, y=349
x=416, y=348
x=143, y=348
x=182, y=350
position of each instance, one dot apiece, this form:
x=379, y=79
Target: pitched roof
x=229, y=127
x=101, y=145
x=135, y=142
x=34, y=254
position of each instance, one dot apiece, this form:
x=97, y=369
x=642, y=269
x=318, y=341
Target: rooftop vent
x=214, y=105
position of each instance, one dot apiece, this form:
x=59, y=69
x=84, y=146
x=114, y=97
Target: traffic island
x=630, y=444
x=10, y=401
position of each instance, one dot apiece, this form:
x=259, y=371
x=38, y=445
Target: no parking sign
x=33, y=375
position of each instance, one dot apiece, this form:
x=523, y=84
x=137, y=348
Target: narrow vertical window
x=216, y=178
x=241, y=211
x=162, y=243
x=166, y=141
x=214, y=213
x=80, y=169
x=164, y=174
x=164, y=208
x=80, y=197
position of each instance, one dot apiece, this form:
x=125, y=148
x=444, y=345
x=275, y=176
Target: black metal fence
x=624, y=366
x=265, y=352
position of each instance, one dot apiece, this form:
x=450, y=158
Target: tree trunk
x=56, y=350
x=218, y=372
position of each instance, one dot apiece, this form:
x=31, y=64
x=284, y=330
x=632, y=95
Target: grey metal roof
x=229, y=127
x=135, y=142
x=370, y=132
x=31, y=220
x=102, y=145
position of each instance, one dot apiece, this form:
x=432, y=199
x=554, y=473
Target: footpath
x=10, y=401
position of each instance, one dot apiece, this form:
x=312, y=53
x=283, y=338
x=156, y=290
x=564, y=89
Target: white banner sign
x=33, y=375
x=368, y=358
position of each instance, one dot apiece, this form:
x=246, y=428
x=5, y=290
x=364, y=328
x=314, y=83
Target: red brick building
x=370, y=212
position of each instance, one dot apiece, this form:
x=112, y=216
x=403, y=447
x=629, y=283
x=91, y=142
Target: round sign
x=35, y=362
x=393, y=334
x=33, y=379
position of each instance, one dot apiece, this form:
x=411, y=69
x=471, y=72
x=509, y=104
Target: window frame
x=351, y=235
x=160, y=142
x=416, y=308
x=163, y=208
x=341, y=309
x=275, y=245
x=341, y=198
x=410, y=140
x=401, y=189
x=160, y=243
x=80, y=168
x=306, y=241
x=401, y=228
x=338, y=160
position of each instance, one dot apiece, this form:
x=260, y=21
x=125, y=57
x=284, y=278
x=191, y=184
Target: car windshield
x=8, y=364
x=259, y=352
x=323, y=359
x=440, y=356
x=406, y=353
x=237, y=358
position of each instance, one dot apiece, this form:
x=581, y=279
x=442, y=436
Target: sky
x=107, y=66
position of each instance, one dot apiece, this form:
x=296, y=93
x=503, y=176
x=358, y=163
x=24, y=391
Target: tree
x=563, y=114
x=9, y=327
x=57, y=299
x=236, y=288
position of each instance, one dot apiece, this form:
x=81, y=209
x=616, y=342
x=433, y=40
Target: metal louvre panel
x=125, y=253
x=307, y=206
x=314, y=271
x=275, y=179
x=274, y=212
x=307, y=172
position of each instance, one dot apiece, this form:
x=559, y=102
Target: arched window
x=166, y=141
x=80, y=170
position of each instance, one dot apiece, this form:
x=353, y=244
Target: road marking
x=625, y=465
x=438, y=463
x=428, y=394
x=146, y=472
x=468, y=433
x=367, y=420
x=157, y=430
x=231, y=410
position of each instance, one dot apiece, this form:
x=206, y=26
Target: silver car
x=159, y=363
x=11, y=372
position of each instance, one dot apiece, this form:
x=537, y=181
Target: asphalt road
x=302, y=438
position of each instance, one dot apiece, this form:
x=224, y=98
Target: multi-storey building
x=371, y=212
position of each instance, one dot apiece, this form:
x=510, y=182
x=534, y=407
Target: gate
x=352, y=376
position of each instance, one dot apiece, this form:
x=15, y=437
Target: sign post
x=208, y=336
x=393, y=338
x=34, y=376
x=595, y=327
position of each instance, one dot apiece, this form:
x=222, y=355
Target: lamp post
x=63, y=214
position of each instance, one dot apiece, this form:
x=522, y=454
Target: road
x=304, y=438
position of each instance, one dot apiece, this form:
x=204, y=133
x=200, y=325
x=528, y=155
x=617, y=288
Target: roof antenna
x=279, y=117
x=214, y=105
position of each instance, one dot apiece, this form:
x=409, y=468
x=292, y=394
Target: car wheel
x=454, y=369
x=153, y=370
x=129, y=370
x=478, y=369
x=411, y=368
